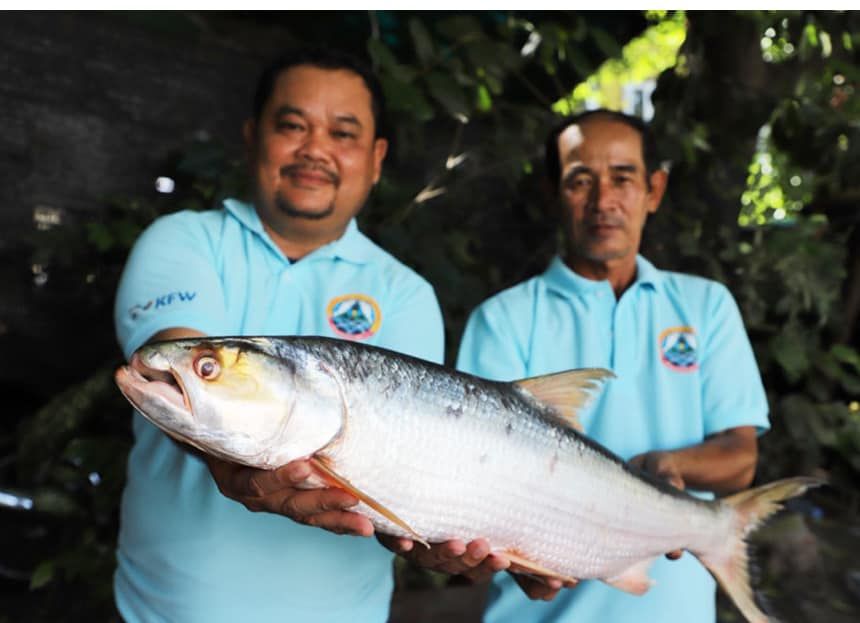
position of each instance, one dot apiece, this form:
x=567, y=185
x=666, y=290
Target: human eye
x=289, y=125
x=581, y=182
x=342, y=134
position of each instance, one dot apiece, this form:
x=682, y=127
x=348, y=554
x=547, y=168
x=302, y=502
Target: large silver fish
x=435, y=454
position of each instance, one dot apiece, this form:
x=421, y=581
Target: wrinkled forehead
x=597, y=143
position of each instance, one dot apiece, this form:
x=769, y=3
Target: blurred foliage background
x=757, y=117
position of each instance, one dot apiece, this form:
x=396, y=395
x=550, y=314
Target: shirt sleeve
x=170, y=280
x=489, y=351
x=413, y=323
x=733, y=393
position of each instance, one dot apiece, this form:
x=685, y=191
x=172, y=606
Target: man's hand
x=663, y=465
x=276, y=492
x=474, y=561
x=539, y=588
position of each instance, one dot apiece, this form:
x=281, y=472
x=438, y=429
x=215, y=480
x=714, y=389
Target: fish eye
x=207, y=367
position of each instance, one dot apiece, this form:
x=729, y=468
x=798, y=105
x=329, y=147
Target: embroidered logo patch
x=354, y=316
x=679, y=349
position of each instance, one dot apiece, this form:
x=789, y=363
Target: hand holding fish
x=538, y=588
x=277, y=491
x=662, y=464
x=474, y=561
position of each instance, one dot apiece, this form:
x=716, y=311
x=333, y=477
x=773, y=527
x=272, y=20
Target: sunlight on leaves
x=641, y=60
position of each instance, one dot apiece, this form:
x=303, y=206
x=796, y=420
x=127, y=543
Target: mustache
x=291, y=169
x=605, y=220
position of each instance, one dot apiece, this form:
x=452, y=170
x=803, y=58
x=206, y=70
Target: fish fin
x=566, y=392
x=521, y=564
x=634, y=579
x=730, y=565
x=339, y=481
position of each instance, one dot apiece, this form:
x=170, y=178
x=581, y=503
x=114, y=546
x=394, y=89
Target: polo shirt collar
x=352, y=246
x=647, y=274
x=559, y=277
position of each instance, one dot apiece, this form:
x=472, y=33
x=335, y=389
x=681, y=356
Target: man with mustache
x=291, y=261
x=688, y=401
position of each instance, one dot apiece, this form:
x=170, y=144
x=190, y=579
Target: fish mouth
x=142, y=384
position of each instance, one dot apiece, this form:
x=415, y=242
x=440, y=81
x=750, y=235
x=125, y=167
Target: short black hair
x=649, y=143
x=322, y=58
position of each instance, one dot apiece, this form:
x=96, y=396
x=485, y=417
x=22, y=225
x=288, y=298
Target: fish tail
x=730, y=565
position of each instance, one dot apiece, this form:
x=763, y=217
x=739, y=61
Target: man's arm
x=723, y=463
x=277, y=491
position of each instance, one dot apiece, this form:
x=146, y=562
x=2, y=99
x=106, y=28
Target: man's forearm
x=723, y=463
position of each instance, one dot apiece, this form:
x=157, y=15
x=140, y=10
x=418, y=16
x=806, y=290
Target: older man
x=688, y=401
x=290, y=262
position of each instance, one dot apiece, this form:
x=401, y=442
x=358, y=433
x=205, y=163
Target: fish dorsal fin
x=339, y=481
x=566, y=392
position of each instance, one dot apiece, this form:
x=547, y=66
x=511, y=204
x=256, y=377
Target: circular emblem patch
x=354, y=316
x=679, y=349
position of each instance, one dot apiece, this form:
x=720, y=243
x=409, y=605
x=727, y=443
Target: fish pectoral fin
x=521, y=564
x=566, y=392
x=336, y=480
x=634, y=579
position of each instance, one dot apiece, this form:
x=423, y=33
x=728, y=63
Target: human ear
x=658, y=181
x=380, y=148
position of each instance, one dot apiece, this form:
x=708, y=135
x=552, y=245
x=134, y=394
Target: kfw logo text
x=161, y=301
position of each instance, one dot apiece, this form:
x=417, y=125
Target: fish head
x=233, y=398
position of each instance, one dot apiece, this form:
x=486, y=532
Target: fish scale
x=435, y=454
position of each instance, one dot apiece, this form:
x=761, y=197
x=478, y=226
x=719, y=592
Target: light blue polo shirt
x=685, y=370
x=187, y=553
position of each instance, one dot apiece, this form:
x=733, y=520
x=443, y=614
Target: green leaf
x=405, y=97
x=846, y=354
x=42, y=575
x=447, y=92
x=579, y=61
x=850, y=383
x=492, y=57
x=790, y=352
x=382, y=56
x=421, y=40
x=484, y=102
x=494, y=84
x=606, y=42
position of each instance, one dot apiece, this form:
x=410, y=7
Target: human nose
x=315, y=146
x=603, y=194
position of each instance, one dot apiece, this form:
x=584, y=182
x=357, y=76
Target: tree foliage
x=462, y=200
